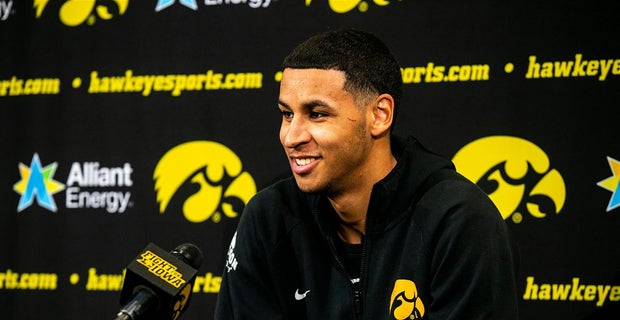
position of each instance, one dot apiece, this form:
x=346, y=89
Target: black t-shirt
x=351, y=257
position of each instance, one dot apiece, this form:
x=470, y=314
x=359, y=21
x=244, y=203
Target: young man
x=370, y=226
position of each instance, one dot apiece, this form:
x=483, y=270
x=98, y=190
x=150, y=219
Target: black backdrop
x=92, y=102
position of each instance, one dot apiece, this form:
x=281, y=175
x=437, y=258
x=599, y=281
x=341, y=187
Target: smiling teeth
x=303, y=162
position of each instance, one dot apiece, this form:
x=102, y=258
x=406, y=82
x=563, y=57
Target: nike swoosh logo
x=300, y=296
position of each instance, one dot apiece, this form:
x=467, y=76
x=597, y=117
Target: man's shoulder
x=275, y=210
x=453, y=195
x=283, y=197
x=282, y=189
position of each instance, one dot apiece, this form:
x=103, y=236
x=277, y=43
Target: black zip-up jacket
x=435, y=248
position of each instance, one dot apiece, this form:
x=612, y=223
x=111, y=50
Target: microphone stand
x=141, y=302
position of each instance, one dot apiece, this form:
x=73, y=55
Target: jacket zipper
x=355, y=294
x=359, y=293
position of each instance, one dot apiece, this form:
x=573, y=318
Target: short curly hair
x=368, y=64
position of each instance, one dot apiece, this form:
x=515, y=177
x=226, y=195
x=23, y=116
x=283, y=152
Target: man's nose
x=296, y=133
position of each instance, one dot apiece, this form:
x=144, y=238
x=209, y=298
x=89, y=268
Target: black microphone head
x=158, y=284
x=189, y=253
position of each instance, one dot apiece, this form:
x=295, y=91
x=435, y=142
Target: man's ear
x=382, y=115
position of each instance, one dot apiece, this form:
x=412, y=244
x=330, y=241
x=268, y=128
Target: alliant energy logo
x=89, y=175
x=193, y=4
x=223, y=186
x=515, y=173
x=612, y=184
x=344, y=6
x=405, y=302
x=73, y=13
x=161, y=268
x=37, y=182
x=89, y=186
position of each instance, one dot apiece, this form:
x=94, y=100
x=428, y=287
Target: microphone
x=158, y=284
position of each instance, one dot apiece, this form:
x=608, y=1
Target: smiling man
x=371, y=225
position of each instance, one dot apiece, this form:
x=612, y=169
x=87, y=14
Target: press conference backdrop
x=125, y=122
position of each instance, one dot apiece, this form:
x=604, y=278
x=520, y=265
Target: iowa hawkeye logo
x=344, y=6
x=73, y=13
x=223, y=188
x=405, y=302
x=515, y=173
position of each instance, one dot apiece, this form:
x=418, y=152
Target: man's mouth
x=303, y=165
x=303, y=161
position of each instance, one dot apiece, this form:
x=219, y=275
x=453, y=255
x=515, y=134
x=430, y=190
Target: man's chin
x=307, y=186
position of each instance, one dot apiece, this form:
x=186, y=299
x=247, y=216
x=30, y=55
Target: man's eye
x=286, y=114
x=317, y=115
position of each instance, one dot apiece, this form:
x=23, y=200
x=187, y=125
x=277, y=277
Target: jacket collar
x=397, y=192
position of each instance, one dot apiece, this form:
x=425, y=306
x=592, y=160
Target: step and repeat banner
x=126, y=122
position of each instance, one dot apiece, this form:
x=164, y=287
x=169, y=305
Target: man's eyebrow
x=283, y=104
x=315, y=103
x=309, y=104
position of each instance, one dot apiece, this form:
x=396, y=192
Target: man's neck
x=352, y=206
x=351, y=210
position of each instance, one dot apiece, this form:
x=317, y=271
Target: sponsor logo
x=88, y=175
x=73, y=13
x=301, y=296
x=405, y=302
x=38, y=183
x=612, y=184
x=224, y=187
x=344, y=6
x=163, y=4
x=89, y=185
x=193, y=4
x=515, y=173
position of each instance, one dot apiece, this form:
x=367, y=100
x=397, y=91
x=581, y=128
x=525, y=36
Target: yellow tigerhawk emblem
x=515, y=173
x=223, y=187
x=405, y=302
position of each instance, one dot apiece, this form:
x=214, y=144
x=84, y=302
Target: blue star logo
x=163, y=4
x=37, y=183
x=612, y=184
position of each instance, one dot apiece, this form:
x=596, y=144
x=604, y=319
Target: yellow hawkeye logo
x=344, y=6
x=224, y=188
x=405, y=302
x=515, y=173
x=75, y=12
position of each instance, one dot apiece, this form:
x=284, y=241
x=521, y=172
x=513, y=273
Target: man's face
x=323, y=132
